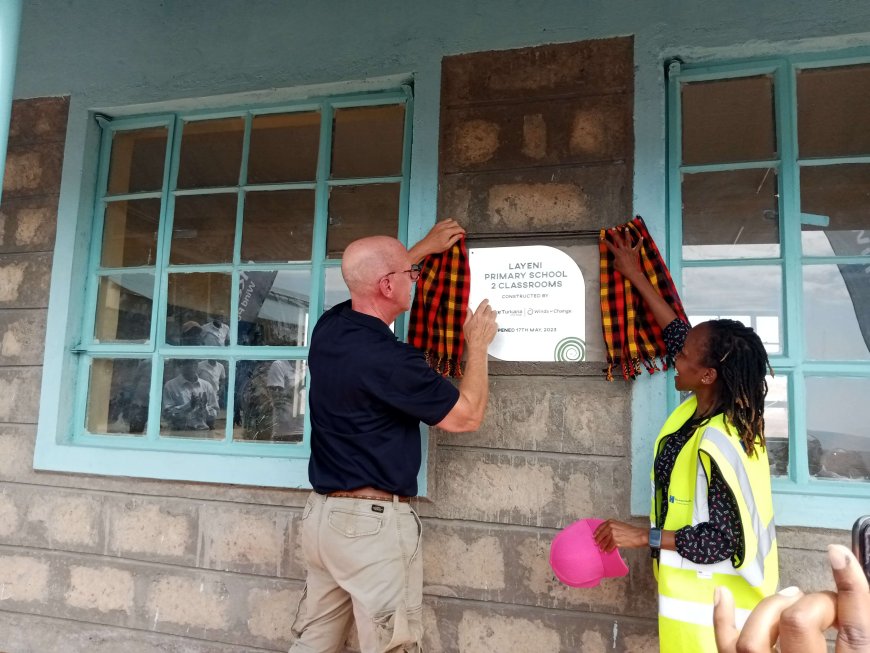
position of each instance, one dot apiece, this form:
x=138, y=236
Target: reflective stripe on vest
x=765, y=533
x=699, y=614
x=686, y=588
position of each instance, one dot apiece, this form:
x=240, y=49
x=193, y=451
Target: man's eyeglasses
x=413, y=272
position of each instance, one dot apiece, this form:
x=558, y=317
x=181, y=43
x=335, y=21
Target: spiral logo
x=570, y=350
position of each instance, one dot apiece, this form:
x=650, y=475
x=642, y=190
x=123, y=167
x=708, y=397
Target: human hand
x=626, y=258
x=613, y=534
x=480, y=326
x=440, y=237
x=799, y=620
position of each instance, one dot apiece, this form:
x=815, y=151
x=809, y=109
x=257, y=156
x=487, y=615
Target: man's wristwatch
x=655, y=539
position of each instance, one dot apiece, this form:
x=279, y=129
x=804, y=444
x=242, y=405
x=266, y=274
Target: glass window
x=833, y=110
x=749, y=294
x=206, y=286
x=731, y=214
x=728, y=120
x=741, y=197
x=837, y=197
x=836, y=429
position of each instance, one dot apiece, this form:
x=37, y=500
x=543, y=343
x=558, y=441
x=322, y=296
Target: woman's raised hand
x=626, y=258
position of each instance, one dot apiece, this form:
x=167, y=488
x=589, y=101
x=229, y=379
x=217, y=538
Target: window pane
x=368, y=141
x=284, y=148
x=335, y=290
x=840, y=196
x=137, y=160
x=837, y=311
x=190, y=407
x=776, y=424
x=273, y=307
x=130, y=233
x=834, y=111
x=203, y=229
x=124, y=308
x=278, y=226
x=270, y=400
x=730, y=214
x=211, y=153
x=358, y=211
x=198, y=306
x=840, y=429
x=118, y=392
x=747, y=294
x=728, y=120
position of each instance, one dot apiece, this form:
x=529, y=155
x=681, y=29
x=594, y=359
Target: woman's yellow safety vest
x=686, y=588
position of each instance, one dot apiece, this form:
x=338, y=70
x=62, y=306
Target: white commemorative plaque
x=540, y=297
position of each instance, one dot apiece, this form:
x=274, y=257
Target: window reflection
x=840, y=430
x=728, y=120
x=833, y=111
x=270, y=400
x=130, y=233
x=137, y=160
x=203, y=229
x=359, y=211
x=124, y=308
x=199, y=304
x=211, y=153
x=776, y=424
x=118, y=395
x=730, y=214
x=368, y=141
x=278, y=226
x=273, y=137
x=836, y=199
x=190, y=407
x=749, y=294
x=837, y=311
x=273, y=307
x=336, y=290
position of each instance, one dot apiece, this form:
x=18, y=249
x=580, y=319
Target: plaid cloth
x=631, y=334
x=440, y=304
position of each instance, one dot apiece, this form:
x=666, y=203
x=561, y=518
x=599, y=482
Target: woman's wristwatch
x=655, y=539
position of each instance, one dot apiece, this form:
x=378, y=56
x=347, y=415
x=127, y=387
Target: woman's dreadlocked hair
x=739, y=357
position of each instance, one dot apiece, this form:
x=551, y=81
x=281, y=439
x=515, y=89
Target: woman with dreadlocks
x=712, y=513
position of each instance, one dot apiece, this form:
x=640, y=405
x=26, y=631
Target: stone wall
x=533, y=140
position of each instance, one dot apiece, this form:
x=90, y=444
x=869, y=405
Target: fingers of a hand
x=602, y=533
x=637, y=245
x=802, y=625
x=853, y=601
x=763, y=625
x=723, y=621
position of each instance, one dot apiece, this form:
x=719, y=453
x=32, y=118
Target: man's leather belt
x=367, y=497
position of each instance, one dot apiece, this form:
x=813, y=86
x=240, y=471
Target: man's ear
x=385, y=286
x=710, y=376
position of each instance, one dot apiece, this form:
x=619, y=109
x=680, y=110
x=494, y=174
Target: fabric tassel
x=440, y=305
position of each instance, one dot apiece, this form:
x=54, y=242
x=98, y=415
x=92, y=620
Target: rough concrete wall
x=536, y=140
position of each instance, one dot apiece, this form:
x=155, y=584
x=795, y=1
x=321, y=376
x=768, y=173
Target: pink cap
x=576, y=559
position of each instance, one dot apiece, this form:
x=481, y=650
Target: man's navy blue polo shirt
x=369, y=392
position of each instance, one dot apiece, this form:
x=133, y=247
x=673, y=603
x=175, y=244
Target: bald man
x=369, y=392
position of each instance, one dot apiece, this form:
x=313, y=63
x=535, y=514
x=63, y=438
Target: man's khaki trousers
x=364, y=561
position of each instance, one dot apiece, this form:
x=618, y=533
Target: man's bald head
x=367, y=260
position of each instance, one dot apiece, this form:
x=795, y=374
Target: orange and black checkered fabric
x=440, y=304
x=631, y=334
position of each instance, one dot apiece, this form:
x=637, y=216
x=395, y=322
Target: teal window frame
x=63, y=444
x=799, y=499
